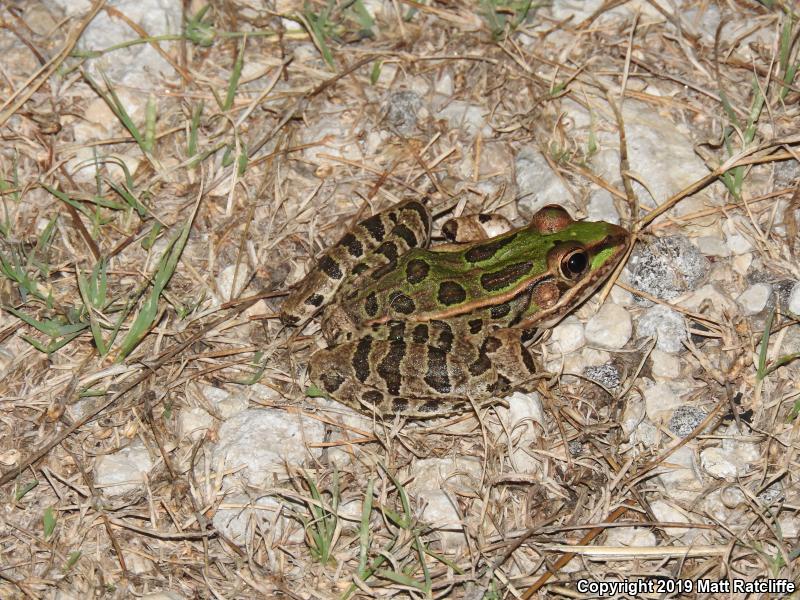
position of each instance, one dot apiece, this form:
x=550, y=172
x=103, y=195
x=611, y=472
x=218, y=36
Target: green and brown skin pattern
x=430, y=332
x=375, y=241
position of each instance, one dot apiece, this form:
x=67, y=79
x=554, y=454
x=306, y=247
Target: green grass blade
x=313, y=25
x=761, y=371
x=781, y=361
x=402, y=579
x=67, y=200
x=236, y=74
x=363, y=531
x=145, y=318
x=117, y=107
x=49, y=521
x=72, y=560
x=52, y=327
x=22, y=491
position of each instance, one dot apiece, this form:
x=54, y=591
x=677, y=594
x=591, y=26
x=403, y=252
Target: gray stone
x=667, y=267
x=400, y=111
x=606, y=375
x=668, y=325
x=685, y=419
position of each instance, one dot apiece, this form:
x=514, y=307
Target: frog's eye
x=574, y=264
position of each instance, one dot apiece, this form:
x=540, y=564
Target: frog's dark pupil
x=576, y=263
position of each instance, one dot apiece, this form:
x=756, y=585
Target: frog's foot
x=337, y=324
x=472, y=228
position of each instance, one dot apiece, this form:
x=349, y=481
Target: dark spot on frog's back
x=354, y=247
x=450, y=230
x=374, y=227
x=417, y=270
x=481, y=364
x=451, y=292
x=420, y=209
x=399, y=405
x=500, y=310
x=315, y=300
x=445, y=337
x=372, y=397
x=501, y=386
x=475, y=326
x=397, y=330
x=420, y=334
x=403, y=232
x=528, y=361
x=401, y=303
x=437, y=377
x=389, y=250
x=331, y=380
x=430, y=407
x=330, y=267
x=389, y=367
x=371, y=304
x=497, y=280
x=491, y=344
x=360, y=360
x=487, y=250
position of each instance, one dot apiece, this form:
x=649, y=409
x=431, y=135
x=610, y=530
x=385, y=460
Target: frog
x=419, y=331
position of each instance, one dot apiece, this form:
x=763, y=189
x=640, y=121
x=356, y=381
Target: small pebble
x=754, y=299
x=794, y=300
x=667, y=267
x=668, y=325
x=685, y=419
x=568, y=336
x=606, y=375
x=611, y=327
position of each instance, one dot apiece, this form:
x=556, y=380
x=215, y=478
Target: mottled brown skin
x=372, y=242
x=427, y=332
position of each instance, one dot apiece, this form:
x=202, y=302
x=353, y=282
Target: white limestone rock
x=538, y=184
x=264, y=441
x=610, y=328
x=666, y=324
x=124, y=471
x=568, y=335
x=754, y=299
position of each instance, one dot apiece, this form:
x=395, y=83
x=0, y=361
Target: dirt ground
x=169, y=170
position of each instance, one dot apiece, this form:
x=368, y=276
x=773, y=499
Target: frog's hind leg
x=376, y=240
x=414, y=379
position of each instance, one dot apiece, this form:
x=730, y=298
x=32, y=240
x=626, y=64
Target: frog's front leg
x=422, y=379
x=374, y=241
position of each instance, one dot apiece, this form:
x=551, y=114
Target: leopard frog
x=420, y=331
